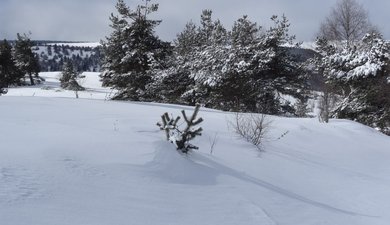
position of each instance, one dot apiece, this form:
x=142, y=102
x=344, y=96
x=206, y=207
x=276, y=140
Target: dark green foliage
x=368, y=103
x=26, y=61
x=246, y=69
x=10, y=75
x=132, y=52
x=360, y=76
x=3, y=83
x=69, y=78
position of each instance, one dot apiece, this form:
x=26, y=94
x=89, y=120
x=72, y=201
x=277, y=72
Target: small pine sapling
x=181, y=138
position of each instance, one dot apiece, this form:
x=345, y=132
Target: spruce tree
x=69, y=77
x=10, y=73
x=170, y=83
x=132, y=52
x=203, y=60
x=282, y=72
x=187, y=40
x=25, y=59
x=3, y=83
x=236, y=89
x=359, y=75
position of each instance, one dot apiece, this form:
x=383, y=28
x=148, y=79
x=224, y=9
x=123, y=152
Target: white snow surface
x=68, y=161
x=51, y=87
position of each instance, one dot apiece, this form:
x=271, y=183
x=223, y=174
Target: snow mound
x=175, y=167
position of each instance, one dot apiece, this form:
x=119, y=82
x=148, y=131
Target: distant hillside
x=52, y=54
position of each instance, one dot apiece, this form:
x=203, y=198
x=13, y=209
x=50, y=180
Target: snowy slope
x=51, y=87
x=68, y=161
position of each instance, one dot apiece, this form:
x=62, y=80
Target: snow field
x=68, y=161
x=51, y=87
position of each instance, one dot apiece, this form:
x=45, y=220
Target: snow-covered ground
x=88, y=161
x=51, y=87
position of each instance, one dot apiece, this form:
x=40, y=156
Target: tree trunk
x=31, y=78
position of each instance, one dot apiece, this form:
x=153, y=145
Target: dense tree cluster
x=360, y=76
x=17, y=62
x=252, y=69
x=25, y=59
x=245, y=69
x=9, y=73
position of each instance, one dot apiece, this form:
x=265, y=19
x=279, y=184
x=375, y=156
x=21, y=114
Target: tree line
x=52, y=57
x=249, y=68
x=243, y=69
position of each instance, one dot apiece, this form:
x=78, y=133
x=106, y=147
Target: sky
x=88, y=20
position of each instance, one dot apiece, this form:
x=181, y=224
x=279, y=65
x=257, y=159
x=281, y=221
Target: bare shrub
x=252, y=127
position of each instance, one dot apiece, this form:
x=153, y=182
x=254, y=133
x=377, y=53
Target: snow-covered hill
x=69, y=161
x=85, y=56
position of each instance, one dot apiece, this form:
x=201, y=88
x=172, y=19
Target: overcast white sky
x=87, y=20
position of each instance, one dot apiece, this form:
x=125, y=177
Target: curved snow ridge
x=198, y=169
x=175, y=167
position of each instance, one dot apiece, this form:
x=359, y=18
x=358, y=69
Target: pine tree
x=236, y=89
x=3, y=82
x=69, y=77
x=245, y=33
x=187, y=40
x=132, y=52
x=182, y=137
x=206, y=28
x=283, y=73
x=24, y=57
x=203, y=62
x=360, y=76
x=49, y=51
x=172, y=82
x=259, y=69
x=246, y=69
x=11, y=74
